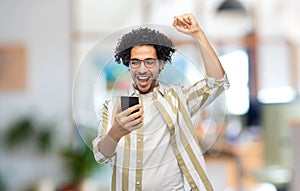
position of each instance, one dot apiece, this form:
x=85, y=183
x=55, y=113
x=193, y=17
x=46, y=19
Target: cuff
x=99, y=157
x=213, y=82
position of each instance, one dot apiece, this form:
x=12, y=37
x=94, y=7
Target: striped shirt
x=176, y=105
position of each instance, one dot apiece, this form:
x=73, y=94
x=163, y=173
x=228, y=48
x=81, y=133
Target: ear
x=161, y=65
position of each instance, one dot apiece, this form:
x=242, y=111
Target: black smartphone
x=129, y=101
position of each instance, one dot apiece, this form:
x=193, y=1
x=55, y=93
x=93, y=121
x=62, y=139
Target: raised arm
x=187, y=24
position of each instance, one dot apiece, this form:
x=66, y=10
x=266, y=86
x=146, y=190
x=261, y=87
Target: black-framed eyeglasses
x=148, y=62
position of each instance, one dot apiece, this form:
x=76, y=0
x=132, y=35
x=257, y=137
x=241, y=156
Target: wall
x=43, y=28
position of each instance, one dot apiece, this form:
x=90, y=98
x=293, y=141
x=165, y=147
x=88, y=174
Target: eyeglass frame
x=140, y=62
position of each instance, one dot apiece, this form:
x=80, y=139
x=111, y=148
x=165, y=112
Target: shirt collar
x=159, y=89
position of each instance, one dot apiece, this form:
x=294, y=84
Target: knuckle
x=140, y=119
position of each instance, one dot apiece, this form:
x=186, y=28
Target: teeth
x=143, y=77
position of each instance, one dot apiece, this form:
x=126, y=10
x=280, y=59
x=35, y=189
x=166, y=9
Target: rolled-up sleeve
x=99, y=157
x=103, y=126
x=204, y=92
x=217, y=83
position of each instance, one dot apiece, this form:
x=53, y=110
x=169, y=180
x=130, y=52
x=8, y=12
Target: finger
x=175, y=21
x=132, y=109
x=187, y=20
x=183, y=23
x=137, y=114
x=178, y=23
x=125, y=119
x=135, y=122
x=131, y=124
x=134, y=125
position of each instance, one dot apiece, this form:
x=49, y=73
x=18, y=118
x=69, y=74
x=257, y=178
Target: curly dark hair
x=144, y=36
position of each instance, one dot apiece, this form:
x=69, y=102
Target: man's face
x=145, y=78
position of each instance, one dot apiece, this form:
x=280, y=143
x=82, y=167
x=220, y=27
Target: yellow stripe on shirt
x=126, y=163
x=178, y=156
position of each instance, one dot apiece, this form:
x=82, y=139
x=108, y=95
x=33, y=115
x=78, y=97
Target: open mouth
x=143, y=78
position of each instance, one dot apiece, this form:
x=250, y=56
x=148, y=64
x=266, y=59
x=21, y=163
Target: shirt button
x=139, y=140
x=137, y=182
x=138, y=161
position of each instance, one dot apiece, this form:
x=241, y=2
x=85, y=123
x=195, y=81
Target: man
x=156, y=148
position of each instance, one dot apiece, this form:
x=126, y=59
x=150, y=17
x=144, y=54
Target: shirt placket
x=139, y=157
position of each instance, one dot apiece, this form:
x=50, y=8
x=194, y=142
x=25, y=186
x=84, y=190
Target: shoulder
x=174, y=89
x=108, y=104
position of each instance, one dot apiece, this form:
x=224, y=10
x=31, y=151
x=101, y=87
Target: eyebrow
x=142, y=59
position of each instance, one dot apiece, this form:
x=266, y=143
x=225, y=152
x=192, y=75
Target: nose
x=142, y=68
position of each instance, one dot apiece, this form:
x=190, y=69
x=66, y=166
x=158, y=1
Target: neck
x=154, y=85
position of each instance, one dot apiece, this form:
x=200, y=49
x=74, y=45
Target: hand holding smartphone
x=129, y=101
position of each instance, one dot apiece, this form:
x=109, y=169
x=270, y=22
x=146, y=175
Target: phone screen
x=129, y=101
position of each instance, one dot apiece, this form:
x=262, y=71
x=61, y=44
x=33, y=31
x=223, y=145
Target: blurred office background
x=56, y=67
